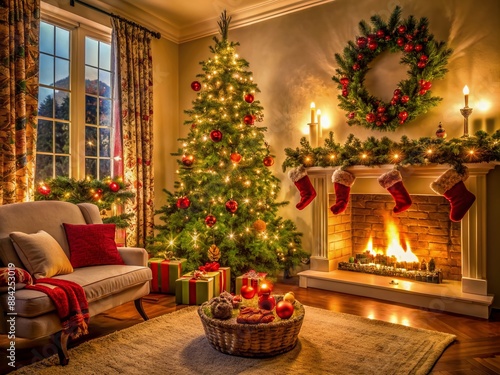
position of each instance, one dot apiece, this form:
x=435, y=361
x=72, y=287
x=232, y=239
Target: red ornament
x=380, y=33
x=362, y=42
x=419, y=47
x=405, y=99
x=370, y=117
x=196, y=86
x=183, y=202
x=408, y=47
x=372, y=45
x=381, y=109
x=267, y=302
x=422, y=92
x=397, y=92
x=345, y=93
x=284, y=309
x=351, y=115
x=344, y=81
x=356, y=67
x=440, y=132
x=268, y=161
x=427, y=85
x=421, y=64
x=210, y=220
x=249, y=98
x=401, y=29
x=403, y=115
x=400, y=41
x=188, y=160
x=216, y=135
x=44, y=190
x=235, y=157
x=114, y=187
x=231, y=206
x=193, y=126
x=247, y=291
x=423, y=58
x=249, y=119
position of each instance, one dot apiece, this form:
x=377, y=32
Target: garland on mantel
x=479, y=148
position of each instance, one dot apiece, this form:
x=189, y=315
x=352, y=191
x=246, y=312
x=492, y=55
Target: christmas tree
x=224, y=207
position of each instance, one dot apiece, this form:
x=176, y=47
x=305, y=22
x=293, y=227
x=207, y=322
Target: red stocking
x=303, y=183
x=342, y=182
x=451, y=185
x=393, y=182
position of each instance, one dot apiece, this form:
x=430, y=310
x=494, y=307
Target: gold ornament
x=214, y=253
x=259, y=225
x=290, y=297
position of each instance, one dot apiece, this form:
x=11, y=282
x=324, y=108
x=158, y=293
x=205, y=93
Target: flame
x=394, y=248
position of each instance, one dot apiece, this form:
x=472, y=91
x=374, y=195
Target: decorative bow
x=210, y=267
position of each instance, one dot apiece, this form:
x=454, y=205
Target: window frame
x=79, y=28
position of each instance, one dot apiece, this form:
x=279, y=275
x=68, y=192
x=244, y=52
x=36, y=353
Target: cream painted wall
x=292, y=58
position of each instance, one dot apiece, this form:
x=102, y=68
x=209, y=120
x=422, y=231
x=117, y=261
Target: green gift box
x=217, y=280
x=191, y=291
x=165, y=273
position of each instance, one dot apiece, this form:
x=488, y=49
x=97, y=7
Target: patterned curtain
x=19, y=28
x=134, y=83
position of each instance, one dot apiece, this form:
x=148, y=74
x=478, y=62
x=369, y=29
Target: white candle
x=320, y=128
x=313, y=113
x=466, y=95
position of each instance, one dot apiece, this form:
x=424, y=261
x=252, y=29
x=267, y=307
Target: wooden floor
x=476, y=350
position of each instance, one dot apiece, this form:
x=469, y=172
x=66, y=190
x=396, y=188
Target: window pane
x=104, y=142
x=90, y=141
x=105, y=56
x=62, y=74
x=104, y=168
x=62, y=166
x=62, y=105
x=44, y=138
x=45, y=102
x=91, y=168
x=62, y=43
x=91, y=52
x=46, y=38
x=62, y=138
x=105, y=83
x=91, y=80
x=46, y=70
x=90, y=110
x=44, y=167
x=105, y=112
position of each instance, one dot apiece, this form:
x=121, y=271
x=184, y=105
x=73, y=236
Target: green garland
x=98, y=192
x=425, y=58
x=473, y=149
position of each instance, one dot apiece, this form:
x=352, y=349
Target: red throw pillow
x=92, y=245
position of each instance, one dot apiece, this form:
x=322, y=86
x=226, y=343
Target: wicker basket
x=253, y=340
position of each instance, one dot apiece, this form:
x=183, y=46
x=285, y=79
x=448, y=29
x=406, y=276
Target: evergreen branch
x=224, y=24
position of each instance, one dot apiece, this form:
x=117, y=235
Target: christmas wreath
x=425, y=58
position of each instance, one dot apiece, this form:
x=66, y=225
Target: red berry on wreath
x=345, y=93
x=210, y=220
x=268, y=161
x=235, y=157
x=403, y=115
x=409, y=37
x=393, y=102
x=419, y=47
x=362, y=42
x=424, y=58
x=401, y=29
x=196, y=86
x=351, y=115
x=344, y=81
x=370, y=117
x=188, y=160
x=249, y=98
x=421, y=64
x=356, y=67
x=401, y=122
x=249, y=119
x=114, y=187
x=408, y=47
x=183, y=202
x=387, y=37
x=371, y=37
x=216, y=135
x=380, y=33
x=384, y=118
x=381, y=109
x=427, y=85
x=405, y=99
x=378, y=123
x=422, y=92
x=360, y=56
x=397, y=92
x=231, y=206
x=372, y=45
x=400, y=41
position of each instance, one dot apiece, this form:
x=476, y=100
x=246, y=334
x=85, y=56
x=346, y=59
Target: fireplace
x=457, y=250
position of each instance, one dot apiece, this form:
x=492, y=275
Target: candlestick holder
x=466, y=112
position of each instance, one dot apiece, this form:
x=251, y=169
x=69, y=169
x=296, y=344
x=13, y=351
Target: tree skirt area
x=329, y=343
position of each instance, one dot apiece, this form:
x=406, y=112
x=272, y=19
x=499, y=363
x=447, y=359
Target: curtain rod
x=157, y=35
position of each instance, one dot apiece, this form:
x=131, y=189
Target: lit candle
x=313, y=113
x=320, y=129
x=466, y=95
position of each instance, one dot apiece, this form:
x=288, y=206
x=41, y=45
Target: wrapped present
x=165, y=273
x=224, y=275
x=190, y=290
x=252, y=278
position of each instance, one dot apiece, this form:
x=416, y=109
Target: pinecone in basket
x=252, y=315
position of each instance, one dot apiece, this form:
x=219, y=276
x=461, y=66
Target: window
x=75, y=102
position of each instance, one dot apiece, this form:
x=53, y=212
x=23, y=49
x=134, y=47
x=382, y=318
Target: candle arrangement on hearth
x=384, y=265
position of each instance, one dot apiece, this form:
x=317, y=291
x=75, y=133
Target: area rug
x=329, y=343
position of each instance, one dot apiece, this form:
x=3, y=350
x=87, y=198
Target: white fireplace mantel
x=417, y=180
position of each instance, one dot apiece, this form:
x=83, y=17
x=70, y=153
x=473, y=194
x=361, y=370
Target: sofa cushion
x=12, y=279
x=92, y=245
x=98, y=282
x=41, y=254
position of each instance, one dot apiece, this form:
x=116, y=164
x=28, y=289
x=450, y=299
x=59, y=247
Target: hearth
x=453, y=254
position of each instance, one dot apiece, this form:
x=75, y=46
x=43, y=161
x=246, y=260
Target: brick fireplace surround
x=459, y=249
